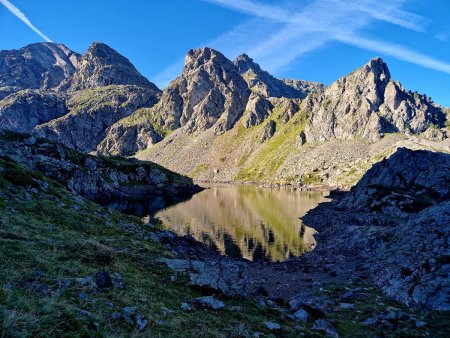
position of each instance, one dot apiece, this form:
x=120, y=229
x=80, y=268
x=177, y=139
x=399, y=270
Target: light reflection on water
x=246, y=221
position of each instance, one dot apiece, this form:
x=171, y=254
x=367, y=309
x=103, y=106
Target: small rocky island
x=78, y=131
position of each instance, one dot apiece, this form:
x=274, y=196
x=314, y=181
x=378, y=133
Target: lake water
x=238, y=220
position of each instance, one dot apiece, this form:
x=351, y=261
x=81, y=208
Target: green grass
x=198, y=169
x=149, y=115
x=447, y=121
x=264, y=165
x=43, y=239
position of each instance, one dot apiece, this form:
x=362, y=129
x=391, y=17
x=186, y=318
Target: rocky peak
x=262, y=83
x=246, y=63
x=36, y=66
x=367, y=103
x=379, y=68
x=103, y=66
x=200, y=58
x=210, y=92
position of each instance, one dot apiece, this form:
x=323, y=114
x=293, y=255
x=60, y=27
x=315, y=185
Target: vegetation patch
x=198, y=169
x=266, y=162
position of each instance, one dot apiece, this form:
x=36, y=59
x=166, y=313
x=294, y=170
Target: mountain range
x=220, y=120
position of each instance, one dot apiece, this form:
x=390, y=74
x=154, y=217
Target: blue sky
x=317, y=40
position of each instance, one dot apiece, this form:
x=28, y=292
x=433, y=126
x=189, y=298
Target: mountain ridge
x=236, y=121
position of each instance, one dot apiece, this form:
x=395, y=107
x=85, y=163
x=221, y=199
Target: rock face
x=408, y=181
x=130, y=135
x=25, y=109
x=92, y=111
x=103, y=66
x=210, y=92
x=367, y=104
x=92, y=177
x=257, y=110
x=305, y=87
x=104, y=87
x=261, y=82
x=37, y=66
x=223, y=274
x=395, y=223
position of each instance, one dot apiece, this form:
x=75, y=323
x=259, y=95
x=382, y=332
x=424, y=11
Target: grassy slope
x=41, y=233
x=269, y=157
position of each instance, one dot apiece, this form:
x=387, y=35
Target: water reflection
x=246, y=221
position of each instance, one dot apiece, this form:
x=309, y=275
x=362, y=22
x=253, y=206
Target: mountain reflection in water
x=246, y=221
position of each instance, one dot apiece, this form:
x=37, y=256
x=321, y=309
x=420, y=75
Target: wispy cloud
x=397, y=51
x=17, y=12
x=285, y=32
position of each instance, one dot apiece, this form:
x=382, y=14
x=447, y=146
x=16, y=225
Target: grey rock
x=301, y=315
x=325, y=327
x=209, y=302
x=132, y=134
x=314, y=305
x=115, y=315
x=395, y=223
x=257, y=110
x=141, y=322
x=209, y=93
x=186, y=307
x=227, y=276
x=420, y=323
x=367, y=104
x=272, y=326
x=269, y=130
x=128, y=313
x=423, y=173
x=305, y=87
x=371, y=321
x=111, y=179
x=92, y=112
x=37, y=66
x=103, y=66
x=261, y=82
x=25, y=109
x=346, y=306
x=435, y=134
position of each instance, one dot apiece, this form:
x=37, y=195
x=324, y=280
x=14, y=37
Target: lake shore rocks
x=395, y=225
x=96, y=178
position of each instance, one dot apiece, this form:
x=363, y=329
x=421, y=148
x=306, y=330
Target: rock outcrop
x=103, y=66
x=92, y=112
x=130, y=135
x=366, y=104
x=93, y=177
x=257, y=110
x=37, y=66
x=222, y=274
x=25, y=109
x=395, y=226
x=261, y=82
x=210, y=92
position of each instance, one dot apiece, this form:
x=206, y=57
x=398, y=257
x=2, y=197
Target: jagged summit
x=209, y=88
x=36, y=66
x=367, y=103
x=246, y=63
x=262, y=83
x=102, y=66
x=379, y=68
